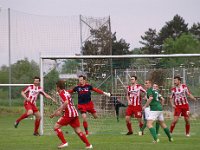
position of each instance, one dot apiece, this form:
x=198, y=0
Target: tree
x=50, y=79
x=103, y=43
x=150, y=42
x=173, y=29
x=195, y=30
x=186, y=43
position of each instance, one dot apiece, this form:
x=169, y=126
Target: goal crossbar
x=116, y=56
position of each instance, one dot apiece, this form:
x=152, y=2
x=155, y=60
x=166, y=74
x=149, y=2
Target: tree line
x=174, y=37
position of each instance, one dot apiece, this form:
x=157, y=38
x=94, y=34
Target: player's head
x=177, y=80
x=82, y=79
x=155, y=86
x=60, y=85
x=147, y=84
x=133, y=79
x=36, y=81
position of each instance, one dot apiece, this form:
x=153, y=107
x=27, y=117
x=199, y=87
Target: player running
x=134, y=104
x=179, y=102
x=155, y=112
x=85, y=103
x=70, y=116
x=30, y=94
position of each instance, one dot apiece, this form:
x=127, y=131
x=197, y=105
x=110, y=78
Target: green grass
x=108, y=135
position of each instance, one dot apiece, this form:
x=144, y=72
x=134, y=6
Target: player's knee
x=29, y=112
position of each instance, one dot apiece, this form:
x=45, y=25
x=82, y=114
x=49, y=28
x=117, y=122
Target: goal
x=111, y=73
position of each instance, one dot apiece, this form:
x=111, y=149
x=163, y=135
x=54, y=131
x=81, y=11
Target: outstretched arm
x=101, y=92
x=49, y=97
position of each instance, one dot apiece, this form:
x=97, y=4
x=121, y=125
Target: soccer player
x=147, y=109
x=85, y=103
x=155, y=112
x=160, y=97
x=70, y=116
x=179, y=102
x=134, y=104
x=30, y=94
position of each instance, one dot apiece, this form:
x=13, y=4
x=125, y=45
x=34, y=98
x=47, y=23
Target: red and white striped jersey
x=32, y=92
x=134, y=93
x=179, y=94
x=70, y=110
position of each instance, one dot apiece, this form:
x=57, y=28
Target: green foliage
x=70, y=66
x=186, y=43
x=50, y=80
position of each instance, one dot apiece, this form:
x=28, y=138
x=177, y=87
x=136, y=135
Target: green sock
x=157, y=127
x=144, y=126
x=167, y=132
x=153, y=133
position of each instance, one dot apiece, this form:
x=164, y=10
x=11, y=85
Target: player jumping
x=30, y=95
x=85, y=103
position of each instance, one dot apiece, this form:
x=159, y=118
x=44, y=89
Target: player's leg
x=166, y=130
x=75, y=124
x=157, y=127
x=83, y=109
x=152, y=116
x=177, y=112
x=85, y=123
x=173, y=124
x=186, y=114
x=28, y=112
x=164, y=126
x=128, y=125
x=37, y=123
x=145, y=116
x=128, y=120
x=61, y=122
x=152, y=130
x=138, y=115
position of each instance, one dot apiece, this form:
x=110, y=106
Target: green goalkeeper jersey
x=155, y=104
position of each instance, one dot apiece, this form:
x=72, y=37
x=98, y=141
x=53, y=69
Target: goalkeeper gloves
x=107, y=94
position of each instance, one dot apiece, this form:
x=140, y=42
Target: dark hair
x=84, y=77
x=177, y=77
x=36, y=77
x=134, y=77
x=61, y=84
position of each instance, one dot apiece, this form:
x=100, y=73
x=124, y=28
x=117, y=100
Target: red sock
x=85, y=125
x=22, y=117
x=172, y=127
x=83, y=138
x=140, y=125
x=60, y=135
x=129, y=127
x=187, y=128
x=37, y=124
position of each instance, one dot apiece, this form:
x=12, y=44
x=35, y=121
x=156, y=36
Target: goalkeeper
x=85, y=103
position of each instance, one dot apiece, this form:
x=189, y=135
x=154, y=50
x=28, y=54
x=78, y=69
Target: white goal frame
x=43, y=57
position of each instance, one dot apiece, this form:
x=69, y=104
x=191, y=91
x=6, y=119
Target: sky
x=129, y=18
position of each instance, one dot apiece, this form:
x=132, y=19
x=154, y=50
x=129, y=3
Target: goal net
x=112, y=74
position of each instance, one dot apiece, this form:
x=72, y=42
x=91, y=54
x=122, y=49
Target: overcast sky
x=129, y=18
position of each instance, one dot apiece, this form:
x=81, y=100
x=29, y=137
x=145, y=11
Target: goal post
x=159, y=68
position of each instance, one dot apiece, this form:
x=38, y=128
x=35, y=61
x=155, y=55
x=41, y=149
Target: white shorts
x=146, y=112
x=155, y=115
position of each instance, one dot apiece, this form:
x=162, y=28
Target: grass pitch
x=111, y=138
